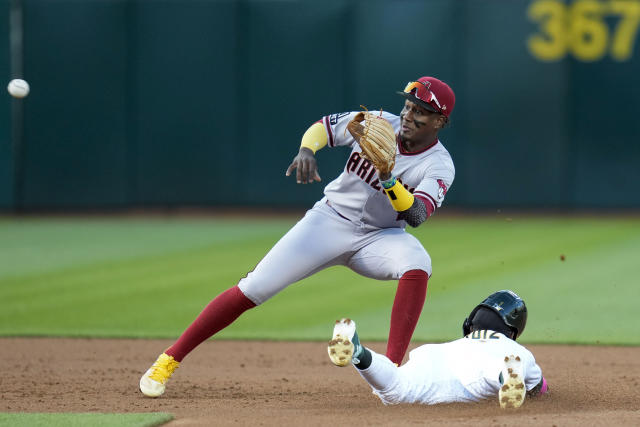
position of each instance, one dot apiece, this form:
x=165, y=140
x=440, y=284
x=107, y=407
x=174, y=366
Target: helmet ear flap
x=466, y=327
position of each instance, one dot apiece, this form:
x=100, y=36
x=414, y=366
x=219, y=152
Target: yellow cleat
x=152, y=383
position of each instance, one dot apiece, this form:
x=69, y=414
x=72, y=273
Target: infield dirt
x=261, y=383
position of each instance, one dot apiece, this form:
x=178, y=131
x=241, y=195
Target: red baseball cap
x=431, y=94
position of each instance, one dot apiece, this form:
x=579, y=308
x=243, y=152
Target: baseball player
x=398, y=173
x=485, y=363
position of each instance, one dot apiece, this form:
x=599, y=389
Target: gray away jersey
x=357, y=194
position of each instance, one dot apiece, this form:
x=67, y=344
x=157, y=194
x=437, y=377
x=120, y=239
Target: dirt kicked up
x=261, y=383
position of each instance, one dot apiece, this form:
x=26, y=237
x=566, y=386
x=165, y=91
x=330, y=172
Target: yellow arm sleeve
x=314, y=138
x=401, y=199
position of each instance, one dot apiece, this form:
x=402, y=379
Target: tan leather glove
x=376, y=138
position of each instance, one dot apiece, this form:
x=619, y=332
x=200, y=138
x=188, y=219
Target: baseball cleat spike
x=341, y=347
x=513, y=391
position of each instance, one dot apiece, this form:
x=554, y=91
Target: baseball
x=18, y=88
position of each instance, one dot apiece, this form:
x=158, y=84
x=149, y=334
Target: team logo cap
x=432, y=94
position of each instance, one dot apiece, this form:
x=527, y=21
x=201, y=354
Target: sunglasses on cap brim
x=422, y=91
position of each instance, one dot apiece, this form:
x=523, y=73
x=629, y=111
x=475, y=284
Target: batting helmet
x=508, y=305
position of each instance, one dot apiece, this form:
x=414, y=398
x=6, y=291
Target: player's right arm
x=305, y=161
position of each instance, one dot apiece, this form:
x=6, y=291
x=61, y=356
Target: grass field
x=81, y=420
x=149, y=277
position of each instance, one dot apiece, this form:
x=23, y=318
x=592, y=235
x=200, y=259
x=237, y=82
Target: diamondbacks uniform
x=464, y=370
x=357, y=193
x=354, y=224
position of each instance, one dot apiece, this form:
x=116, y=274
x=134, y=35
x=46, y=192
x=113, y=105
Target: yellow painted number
x=624, y=38
x=581, y=29
x=551, y=44
x=589, y=34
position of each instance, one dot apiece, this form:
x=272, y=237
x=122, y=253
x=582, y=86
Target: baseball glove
x=377, y=139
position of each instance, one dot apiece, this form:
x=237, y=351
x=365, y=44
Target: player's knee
x=392, y=396
x=426, y=264
x=256, y=297
x=420, y=262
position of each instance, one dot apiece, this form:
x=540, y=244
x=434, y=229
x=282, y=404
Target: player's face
x=417, y=123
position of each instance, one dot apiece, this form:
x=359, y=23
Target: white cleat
x=513, y=390
x=341, y=346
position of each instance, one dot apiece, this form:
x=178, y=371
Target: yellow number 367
x=581, y=29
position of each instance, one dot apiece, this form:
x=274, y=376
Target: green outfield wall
x=202, y=103
x=6, y=150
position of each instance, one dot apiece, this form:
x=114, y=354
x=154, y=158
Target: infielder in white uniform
x=485, y=363
x=359, y=223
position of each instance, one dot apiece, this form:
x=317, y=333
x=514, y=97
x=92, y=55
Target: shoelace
x=163, y=369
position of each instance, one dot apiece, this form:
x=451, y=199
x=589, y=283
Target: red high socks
x=407, y=306
x=217, y=315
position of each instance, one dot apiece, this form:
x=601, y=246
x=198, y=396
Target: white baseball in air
x=18, y=88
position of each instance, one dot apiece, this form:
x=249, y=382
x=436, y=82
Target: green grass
x=83, y=419
x=123, y=277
